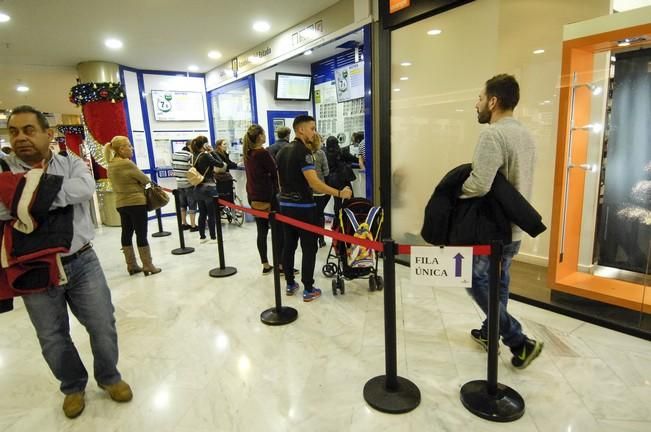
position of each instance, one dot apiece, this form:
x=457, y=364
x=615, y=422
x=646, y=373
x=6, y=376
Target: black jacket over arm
x=450, y=220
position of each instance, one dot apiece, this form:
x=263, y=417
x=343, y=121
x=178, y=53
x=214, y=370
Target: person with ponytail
x=206, y=192
x=261, y=187
x=129, y=187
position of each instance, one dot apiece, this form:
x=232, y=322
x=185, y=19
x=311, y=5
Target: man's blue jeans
x=89, y=298
x=510, y=328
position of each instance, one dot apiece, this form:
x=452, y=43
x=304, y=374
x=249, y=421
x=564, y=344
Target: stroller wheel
x=342, y=286
x=334, y=287
x=379, y=283
x=371, y=283
x=329, y=270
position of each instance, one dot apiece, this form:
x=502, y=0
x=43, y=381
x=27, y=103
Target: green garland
x=82, y=94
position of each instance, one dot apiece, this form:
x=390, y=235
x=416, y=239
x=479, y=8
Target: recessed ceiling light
x=405, y=64
x=459, y=110
x=396, y=89
x=624, y=43
x=113, y=43
x=214, y=54
x=308, y=52
x=193, y=68
x=261, y=26
x=539, y=51
x=22, y=88
x=4, y=17
x=434, y=32
x=404, y=78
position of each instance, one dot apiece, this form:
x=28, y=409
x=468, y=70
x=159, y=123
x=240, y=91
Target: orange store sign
x=396, y=5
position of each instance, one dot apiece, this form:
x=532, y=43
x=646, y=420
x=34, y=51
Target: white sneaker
x=212, y=241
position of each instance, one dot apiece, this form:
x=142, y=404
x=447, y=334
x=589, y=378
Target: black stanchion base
x=182, y=251
x=405, y=398
x=282, y=316
x=161, y=234
x=222, y=272
x=505, y=406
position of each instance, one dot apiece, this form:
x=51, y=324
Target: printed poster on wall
x=350, y=82
x=177, y=105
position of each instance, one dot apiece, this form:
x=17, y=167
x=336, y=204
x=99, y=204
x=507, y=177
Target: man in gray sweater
x=508, y=147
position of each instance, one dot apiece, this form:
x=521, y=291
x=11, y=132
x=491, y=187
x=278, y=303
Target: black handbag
x=156, y=197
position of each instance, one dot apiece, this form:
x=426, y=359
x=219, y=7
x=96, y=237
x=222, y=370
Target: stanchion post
x=222, y=270
x=278, y=315
x=179, y=223
x=489, y=399
x=160, y=233
x=391, y=393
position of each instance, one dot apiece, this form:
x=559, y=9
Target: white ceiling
x=624, y=5
x=157, y=34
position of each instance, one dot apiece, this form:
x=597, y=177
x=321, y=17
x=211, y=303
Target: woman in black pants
x=261, y=187
x=322, y=172
x=341, y=170
x=129, y=187
x=206, y=191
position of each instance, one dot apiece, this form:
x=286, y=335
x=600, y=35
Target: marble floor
x=199, y=359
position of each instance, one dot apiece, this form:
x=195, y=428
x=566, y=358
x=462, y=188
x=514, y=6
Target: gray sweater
x=321, y=165
x=508, y=147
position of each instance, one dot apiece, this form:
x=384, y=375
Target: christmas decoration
x=82, y=94
x=71, y=129
x=96, y=149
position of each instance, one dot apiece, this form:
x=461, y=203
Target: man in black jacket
x=505, y=146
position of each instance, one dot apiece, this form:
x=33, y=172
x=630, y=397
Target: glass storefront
x=233, y=110
x=439, y=65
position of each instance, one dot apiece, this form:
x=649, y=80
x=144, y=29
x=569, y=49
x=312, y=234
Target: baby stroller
x=359, y=218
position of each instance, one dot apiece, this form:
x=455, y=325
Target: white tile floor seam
x=199, y=359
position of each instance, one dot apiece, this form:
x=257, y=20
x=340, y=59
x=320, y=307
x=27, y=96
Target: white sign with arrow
x=441, y=266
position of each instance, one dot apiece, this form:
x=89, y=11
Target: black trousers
x=134, y=218
x=262, y=226
x=321, y=203
x=308, y=244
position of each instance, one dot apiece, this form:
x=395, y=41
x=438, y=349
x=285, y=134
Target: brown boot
x=74, y=404
x=119, y=392
x=130, y=258
x=147, y=266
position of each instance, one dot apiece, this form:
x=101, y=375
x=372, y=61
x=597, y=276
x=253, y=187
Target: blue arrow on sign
x=457, y=265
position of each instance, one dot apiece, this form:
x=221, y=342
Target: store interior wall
x=48, y=90
x=162, y=132
x=434, y=122
x=152, y=140
x=265, y=88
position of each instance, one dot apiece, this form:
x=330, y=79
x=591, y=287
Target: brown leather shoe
x=74, y=404
x=119, y=392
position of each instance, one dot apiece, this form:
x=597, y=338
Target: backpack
x=194, y=177
x=359, y=256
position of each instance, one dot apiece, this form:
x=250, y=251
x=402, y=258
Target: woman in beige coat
x=129, y=187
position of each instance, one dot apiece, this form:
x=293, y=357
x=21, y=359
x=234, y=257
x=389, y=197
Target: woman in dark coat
x=341, y=170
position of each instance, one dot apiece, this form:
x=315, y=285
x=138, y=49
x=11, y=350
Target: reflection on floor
x=530, y=281
x=199, y=359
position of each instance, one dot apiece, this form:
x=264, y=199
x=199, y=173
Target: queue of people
x=296, y=181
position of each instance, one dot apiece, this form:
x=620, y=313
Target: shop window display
x=624, y=230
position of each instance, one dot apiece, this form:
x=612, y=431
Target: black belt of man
x=70, y=258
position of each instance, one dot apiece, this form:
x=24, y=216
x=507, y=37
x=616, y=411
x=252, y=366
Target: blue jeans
x=205, y=195
x=510, y=328
x=89, y=298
